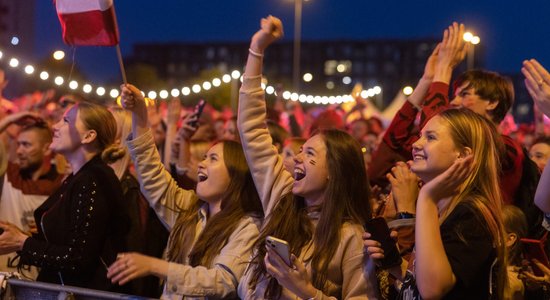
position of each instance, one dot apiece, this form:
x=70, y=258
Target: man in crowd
x=28, y=179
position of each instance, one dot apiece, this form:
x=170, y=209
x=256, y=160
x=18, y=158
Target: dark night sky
x=510, y=30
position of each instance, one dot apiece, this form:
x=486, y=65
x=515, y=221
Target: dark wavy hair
x=346, y=200
x=240, y=199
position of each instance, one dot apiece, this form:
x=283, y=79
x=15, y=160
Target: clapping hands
x=537, y=81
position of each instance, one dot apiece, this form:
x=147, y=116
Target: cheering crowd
x=279, y=202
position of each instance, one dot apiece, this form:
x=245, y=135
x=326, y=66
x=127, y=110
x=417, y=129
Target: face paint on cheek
x=313, y=162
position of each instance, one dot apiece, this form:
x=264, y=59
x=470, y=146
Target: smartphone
x=535, y=249
x=380, y=232
x=281, y=247
x=198, y=110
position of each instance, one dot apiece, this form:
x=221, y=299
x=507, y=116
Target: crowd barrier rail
x=34, y=290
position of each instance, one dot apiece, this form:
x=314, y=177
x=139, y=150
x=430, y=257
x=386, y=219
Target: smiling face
x=213, y=177
x=466, y=97
x=435, y=151
x=68, y=133
x=540, y=153
x=311, y=170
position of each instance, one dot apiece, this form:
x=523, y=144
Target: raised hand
x=429, y=69
x=452, y=51
x=174, y=109
x=19, y=118
x=187, y=130
x=447, y=183
x=271, y=29
x=404, y=187
x=133, y=100
x=537, y=81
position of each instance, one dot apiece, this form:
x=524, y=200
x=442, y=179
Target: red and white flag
x=88, y=22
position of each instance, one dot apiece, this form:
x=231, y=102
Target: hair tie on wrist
x=254, y=53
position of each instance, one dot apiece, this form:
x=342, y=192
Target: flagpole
x=121, y=64
x=118, y=52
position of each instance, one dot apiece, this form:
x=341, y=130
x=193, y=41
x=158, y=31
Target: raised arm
x=271, y=179
x=402, y=133
x=186, y=131
x=542, y=196
x=452, y=51
x=157, y=185
x=537, y=82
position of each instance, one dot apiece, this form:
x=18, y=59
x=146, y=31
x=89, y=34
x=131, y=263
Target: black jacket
x=81, y=228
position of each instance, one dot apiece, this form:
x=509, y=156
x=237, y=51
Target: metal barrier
x=34, y=290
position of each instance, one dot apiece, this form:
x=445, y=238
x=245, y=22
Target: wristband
x=254, y=53
x=404, y=215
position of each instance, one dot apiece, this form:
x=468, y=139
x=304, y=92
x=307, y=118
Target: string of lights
x=101, y=91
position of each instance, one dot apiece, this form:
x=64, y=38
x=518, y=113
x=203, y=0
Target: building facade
x=334, y=67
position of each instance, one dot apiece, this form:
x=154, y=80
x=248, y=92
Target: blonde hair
x=123, y=120
x=481, y=188
x=98, y=118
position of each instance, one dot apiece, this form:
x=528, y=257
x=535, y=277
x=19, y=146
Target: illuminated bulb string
x=101, y=91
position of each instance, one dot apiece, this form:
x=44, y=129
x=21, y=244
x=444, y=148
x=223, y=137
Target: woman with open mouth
x=318, y=210
x=211, y=231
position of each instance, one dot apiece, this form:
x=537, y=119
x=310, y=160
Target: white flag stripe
x=78, y=6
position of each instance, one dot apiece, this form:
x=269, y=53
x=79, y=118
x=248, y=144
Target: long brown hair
x=241, y=199
x=346, y=200
x=481, y=189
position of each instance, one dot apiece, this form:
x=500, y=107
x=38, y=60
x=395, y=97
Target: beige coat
x=346, y=275
x=218, y=281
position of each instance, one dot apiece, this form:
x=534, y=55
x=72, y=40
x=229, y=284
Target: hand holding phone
x=198, y=111
x=281, y=247
x=534, y=249
x=380, y=232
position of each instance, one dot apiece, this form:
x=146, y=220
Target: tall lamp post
x=473, y=40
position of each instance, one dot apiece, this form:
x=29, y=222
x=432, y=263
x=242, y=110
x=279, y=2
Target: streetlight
x=473, y=40
x=297, y=40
